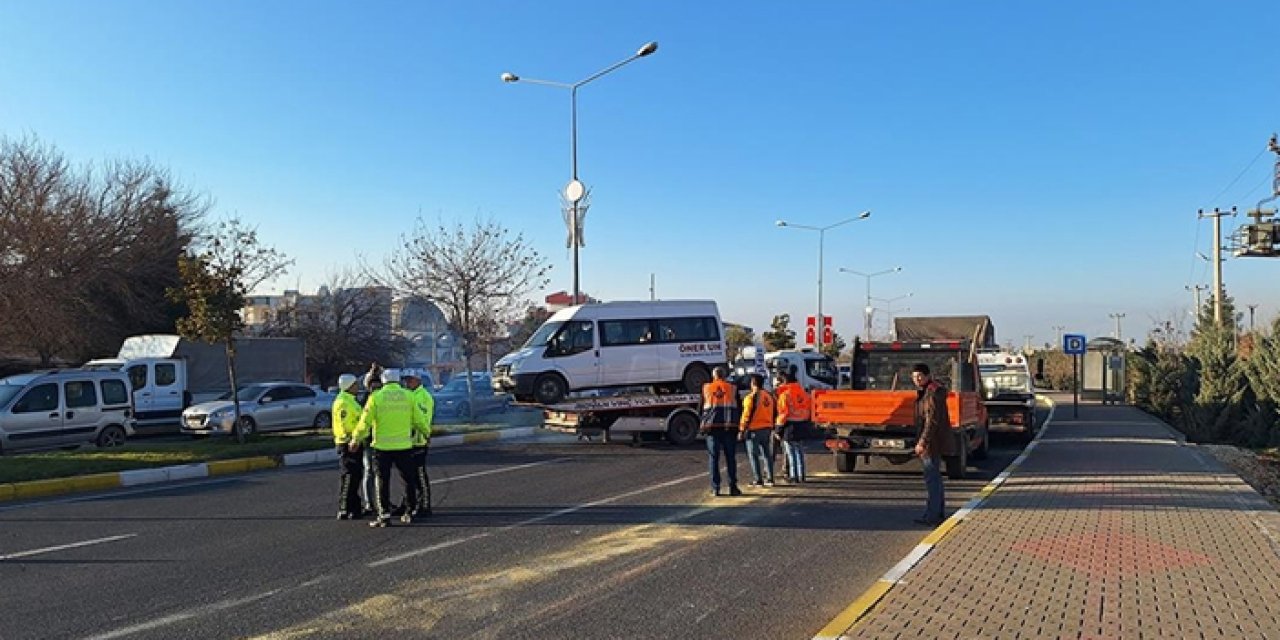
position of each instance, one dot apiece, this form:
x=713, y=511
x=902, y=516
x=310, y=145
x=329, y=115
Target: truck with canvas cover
x=977, y=330
x=876, y=417
x=1008, y=392
x=169, y=373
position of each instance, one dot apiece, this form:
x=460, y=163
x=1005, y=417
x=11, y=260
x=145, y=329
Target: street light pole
x=822, y=235
x=869, y=276
x=575, y=191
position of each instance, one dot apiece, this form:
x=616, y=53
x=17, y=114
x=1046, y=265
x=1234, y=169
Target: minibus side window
x=574, y=337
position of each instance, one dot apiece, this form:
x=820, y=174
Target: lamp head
x=647, y=49
x=510, y=77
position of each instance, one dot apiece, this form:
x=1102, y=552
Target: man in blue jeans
x=720, y=426
x=934, y=439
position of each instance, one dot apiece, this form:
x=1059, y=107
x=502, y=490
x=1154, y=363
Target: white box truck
x=169, y=373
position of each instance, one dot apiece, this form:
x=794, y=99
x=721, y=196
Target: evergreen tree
x=780, y=335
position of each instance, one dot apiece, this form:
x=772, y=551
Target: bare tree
x=480, y=276
x=215, y=282
x=345, y=326
x=86, y=256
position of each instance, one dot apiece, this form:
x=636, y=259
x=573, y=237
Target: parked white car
x=65, y=408
x=265, y=406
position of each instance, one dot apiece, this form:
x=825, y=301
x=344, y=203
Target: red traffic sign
x=810, y=335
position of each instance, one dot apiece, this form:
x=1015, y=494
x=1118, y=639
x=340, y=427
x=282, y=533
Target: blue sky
x=1038, y=162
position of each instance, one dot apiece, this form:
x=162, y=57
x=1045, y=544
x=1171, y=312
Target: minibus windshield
x=543, y=334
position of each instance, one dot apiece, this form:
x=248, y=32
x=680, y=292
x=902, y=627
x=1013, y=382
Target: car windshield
x=543, y=334
x=246, y=394
x=821, y=369
x=7, y=392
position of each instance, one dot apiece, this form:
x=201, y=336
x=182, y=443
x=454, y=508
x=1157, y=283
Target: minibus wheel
x=549, y=388
x=694, y=377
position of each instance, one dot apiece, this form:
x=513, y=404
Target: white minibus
x=670, y=345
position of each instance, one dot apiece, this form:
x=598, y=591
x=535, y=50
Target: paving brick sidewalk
x=1111, y=528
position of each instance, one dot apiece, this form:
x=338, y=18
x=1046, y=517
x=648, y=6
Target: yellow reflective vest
x=392, y=417
x=428, y=406
x=345, y=416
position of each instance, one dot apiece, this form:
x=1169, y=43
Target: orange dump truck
x=876, y=417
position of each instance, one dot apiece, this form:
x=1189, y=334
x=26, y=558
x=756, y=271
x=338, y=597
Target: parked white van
x=65, y=408
x=666, y=344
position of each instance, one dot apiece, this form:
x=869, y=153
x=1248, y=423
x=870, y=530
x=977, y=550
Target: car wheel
x=694, y=377
x=683, y=429
x=111, y=436
x=323, y=420
x=549, y=388
x=246, y=427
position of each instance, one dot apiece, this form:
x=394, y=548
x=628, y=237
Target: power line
x=1233, y=182
x=1210, y=202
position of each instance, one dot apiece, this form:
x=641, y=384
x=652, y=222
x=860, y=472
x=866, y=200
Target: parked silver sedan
x=266, y=406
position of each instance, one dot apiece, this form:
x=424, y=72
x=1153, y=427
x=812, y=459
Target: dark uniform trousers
x=352, y=467
x=423, y=506
x=403, y=463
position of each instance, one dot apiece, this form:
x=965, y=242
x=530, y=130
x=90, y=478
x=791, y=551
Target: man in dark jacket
x=933, y=438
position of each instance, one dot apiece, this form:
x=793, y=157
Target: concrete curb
x=135, y=477
x=863, y=605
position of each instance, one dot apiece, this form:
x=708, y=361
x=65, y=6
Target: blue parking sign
x=1073, y=344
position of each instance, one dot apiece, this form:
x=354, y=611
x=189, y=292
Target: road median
x=43, y=474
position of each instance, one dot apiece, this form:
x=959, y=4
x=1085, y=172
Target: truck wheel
x=694, y=377
x=549, y=388
x=682, y=429
x=985, y=448
x=845, y=462
x=111, y=436
x=956, y=464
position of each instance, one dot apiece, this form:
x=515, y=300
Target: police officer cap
x=346, y=381
x=390, y=375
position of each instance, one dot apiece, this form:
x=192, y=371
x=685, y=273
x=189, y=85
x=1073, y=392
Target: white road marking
x=64, y=547
x=179, y=617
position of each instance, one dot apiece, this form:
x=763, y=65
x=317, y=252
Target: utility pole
x=1117, y=317
x=1057, y=328
x=1196, y=291
x=1026, y=348
x=1251, y=308
x=652, y=289
x=1217, y=258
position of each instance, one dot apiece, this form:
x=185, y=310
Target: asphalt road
x=539, y=539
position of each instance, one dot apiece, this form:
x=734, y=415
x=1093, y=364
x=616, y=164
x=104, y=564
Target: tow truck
x=673, y=415
x=1008, y=392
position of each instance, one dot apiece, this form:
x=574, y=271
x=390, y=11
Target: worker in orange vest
x=756, y=429
x=720, y=426
x=794, y=413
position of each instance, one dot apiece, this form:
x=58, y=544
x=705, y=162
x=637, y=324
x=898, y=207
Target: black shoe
x=381, y=523
x=715, y=492
x=345, y=515
x=928, y=522
x=734, y=491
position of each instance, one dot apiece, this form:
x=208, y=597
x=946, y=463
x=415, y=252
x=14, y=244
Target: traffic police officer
x=345, y=415
x=421, y=440
x=391, y=416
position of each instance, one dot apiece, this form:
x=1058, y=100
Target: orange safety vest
x=719, y=402
x=758, y=411
x=793, y=403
